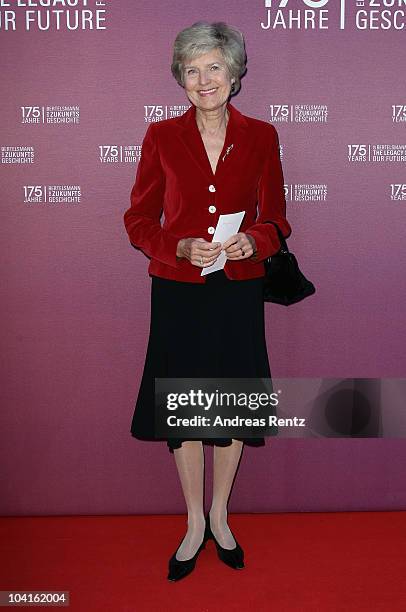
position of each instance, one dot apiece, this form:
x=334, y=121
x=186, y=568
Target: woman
x=212, y=160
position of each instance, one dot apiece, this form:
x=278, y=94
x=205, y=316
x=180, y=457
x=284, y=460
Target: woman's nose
x=204, y=77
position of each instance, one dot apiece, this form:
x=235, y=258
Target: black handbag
x=284, y=283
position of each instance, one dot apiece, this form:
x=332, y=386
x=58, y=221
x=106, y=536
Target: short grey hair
x=202, y=37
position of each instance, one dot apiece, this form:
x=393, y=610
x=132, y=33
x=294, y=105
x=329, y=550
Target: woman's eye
x=215, y=67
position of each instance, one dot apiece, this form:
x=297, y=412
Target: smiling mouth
x=207, y=92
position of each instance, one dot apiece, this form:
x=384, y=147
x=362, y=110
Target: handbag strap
x=284, y=246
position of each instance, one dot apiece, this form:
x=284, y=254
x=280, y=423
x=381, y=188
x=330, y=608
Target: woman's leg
x=226, y=460
x=189, y=460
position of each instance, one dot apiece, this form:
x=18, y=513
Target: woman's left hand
x=239, y=246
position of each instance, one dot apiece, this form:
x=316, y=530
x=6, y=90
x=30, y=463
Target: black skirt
x=211, y=330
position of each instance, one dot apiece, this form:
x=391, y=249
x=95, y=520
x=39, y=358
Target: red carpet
x=296, y=561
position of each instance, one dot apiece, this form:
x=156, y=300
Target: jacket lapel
x=192, y=140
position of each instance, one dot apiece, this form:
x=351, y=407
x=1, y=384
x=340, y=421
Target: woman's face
x=207, y=80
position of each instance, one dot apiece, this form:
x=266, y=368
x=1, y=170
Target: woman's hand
x=198, y=251
x=240, y=246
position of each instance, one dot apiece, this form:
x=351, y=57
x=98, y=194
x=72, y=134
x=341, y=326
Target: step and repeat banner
x=81, y=81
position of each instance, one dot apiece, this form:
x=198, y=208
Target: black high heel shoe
x=233, y=557
x=180, y=569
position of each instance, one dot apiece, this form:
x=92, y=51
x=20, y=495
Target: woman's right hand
x=198, y=251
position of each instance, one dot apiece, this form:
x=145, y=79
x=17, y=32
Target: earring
x=232, y=85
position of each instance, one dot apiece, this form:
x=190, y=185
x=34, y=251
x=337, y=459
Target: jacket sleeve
x=142, y=219
x=271, y=203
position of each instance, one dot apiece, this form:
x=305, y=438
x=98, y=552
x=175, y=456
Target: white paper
x=227, y=226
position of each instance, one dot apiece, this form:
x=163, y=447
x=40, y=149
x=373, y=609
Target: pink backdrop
x=75, y=303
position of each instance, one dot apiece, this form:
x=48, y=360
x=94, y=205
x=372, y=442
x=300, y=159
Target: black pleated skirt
x=210, y=330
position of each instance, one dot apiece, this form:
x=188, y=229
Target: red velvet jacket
x=174, y=176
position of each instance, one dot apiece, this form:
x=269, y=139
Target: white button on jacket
x=212, y=209
x=212, y=188
x=211, y=230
